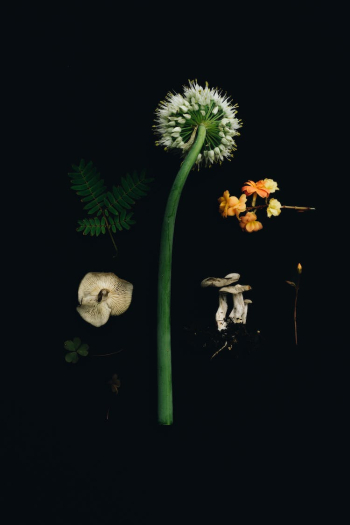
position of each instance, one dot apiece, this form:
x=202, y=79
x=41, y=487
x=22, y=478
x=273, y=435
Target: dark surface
x=248, y=424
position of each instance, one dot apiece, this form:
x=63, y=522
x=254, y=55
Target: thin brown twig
x=216, y=353
x=104, y=355
x=295, y=311
x=299, y=208
x=110, y=234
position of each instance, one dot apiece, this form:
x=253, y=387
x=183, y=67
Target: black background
x=86, y=84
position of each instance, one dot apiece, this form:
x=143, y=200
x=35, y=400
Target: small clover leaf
x=71, y=357
x=83, y=350
x=74, y=348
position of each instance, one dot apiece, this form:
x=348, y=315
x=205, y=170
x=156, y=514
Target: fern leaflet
x=111, y=208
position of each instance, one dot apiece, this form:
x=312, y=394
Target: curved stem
x=295, y=317
x=110, y=234
x=295, y=311
x=165, y=391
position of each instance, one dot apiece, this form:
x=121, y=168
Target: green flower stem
x=165, y=391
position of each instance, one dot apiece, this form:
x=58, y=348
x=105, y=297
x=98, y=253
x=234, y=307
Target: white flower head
x=101, y=295
x=274, y=208
x=178, y=118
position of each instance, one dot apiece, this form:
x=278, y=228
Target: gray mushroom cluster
x=238, y=314
x=101, y=295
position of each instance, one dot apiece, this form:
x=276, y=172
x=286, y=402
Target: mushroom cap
x=248, y=301
x=96, y=314
x=238, y=288
x=119, y=298
x=218, y=282
x=101, y=295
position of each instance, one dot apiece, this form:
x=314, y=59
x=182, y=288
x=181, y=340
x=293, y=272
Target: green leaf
x=112, y=210
x=128, y=200
x=96, y=200
x=72, y=357
x=83, y=350
x=117, y=223
x=95, y=209
x=86, y=181
x=88, y=198
x=138, y=193
x=143, y=186
x=130, y=181
x=69, y=345
x=79, y=187
x=125, y=185
x=76, y=342
x=84, y=192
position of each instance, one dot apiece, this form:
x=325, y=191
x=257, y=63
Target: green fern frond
x=124, y=221
x=87, y=183
x=110, y=208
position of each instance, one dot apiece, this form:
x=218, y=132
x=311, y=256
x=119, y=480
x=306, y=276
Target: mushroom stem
x=237, y=312
x=238, y=308
x=245, y=311
x=221, y=312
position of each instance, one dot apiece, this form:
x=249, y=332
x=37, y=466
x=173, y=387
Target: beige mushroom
x=218, y=282
x=101, y=295
x=237, y=313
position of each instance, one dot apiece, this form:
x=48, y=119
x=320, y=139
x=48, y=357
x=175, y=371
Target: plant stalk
x=164, y=376
x=295, y=311
x=298, y=208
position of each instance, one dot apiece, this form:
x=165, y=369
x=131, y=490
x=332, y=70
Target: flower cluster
x=230, y=206
x=178, y=118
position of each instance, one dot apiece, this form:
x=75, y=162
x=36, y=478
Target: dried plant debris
x=236, y=340
x=115, y=383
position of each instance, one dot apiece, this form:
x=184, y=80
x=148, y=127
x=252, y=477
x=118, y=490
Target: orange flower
x=231, y=205
x=256, y=187
x=249, y=223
